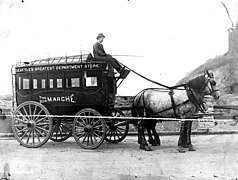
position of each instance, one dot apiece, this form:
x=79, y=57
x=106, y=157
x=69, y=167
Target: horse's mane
x=197, y=83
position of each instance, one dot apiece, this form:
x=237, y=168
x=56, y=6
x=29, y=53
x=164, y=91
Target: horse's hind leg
x=141, y=137
x=150, y=137
x=156, y=135
x=154, y=141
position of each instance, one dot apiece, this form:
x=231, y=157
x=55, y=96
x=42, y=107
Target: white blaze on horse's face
x=211, y=88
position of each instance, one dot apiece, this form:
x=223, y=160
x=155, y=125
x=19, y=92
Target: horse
x=181, y=101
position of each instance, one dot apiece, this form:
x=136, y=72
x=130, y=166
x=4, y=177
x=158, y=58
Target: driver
x=100, y=54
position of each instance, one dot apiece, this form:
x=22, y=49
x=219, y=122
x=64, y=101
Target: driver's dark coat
x=98, y=50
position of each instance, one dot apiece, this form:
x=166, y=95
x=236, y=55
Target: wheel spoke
x=38, y=115
x=95, y=123
x=20, y=125
x=81, y=135
x=86, y=135
x=40, y=133
x=65, y=127
x=34, y=112
x=60, y=131
x=29, y=136
x=96, y=134
x=80, y=124
x=110, y=134
x=42, y=124
x=37, y=135
x=45, y=130
x=21, y=115
x=25, y=134
x=119, y=131
x=42, y=119
x=88, y=139
x=30, y=115
x=120, y=128
x=21, y=120
x=33, y=137
x=24, y=109
x=21, y=130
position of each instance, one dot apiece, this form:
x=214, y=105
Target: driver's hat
x=100, y=35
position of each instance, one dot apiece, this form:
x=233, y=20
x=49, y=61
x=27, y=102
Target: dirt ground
x=216, y=158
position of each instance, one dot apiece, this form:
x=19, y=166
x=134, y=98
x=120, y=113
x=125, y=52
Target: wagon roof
x=75, y=62
x=57, y=60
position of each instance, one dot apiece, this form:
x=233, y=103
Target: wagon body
x=65, y=88
x=54, y=95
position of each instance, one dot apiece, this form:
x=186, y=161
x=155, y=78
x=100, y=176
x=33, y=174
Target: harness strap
x=171, y=93
x=157, y=113
x=199, y=105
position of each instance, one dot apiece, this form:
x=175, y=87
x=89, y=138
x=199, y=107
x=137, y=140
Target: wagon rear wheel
x=31, y=124
x=61, y=131
x=89, y=132
x=116, y=130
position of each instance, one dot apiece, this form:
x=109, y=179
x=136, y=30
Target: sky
x=173, y=37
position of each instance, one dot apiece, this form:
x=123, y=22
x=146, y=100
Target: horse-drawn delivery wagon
x=60, y=97
x=75, y=95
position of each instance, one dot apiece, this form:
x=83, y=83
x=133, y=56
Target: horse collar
x=194, y=99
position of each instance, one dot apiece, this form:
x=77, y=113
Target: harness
x=199, y=104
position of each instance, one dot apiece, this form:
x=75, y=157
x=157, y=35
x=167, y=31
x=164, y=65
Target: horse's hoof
x=181, y=150
x=147, y=148
x=191, y=148
x=142, y=146
x=154, y=144
x=158, y=143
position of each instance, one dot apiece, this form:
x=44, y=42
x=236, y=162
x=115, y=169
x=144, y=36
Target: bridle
x=210, y=84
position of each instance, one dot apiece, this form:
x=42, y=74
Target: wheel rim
x=31, y=124
x=89, y=132
x=61, y=131
x=116, y=133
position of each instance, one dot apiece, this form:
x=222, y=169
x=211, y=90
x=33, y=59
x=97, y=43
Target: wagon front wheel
x=116, y=130
x=31, y=124
x=89, y=130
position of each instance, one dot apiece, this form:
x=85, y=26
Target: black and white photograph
x=119, y=90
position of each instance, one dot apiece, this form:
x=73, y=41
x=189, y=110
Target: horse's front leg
x=141, y=137
x=189, y=143
x=182, y=138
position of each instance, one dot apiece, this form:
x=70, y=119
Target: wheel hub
x=88, y=128
x=31, y=124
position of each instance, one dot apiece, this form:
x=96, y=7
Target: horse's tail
x=137, y=109
x=133, y=111
x=134, y=114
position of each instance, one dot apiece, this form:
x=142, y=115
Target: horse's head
x=210, y=87
x=205, y=85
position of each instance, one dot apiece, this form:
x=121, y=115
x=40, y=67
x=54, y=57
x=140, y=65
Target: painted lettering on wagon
x=46, y=99
x=59, y=67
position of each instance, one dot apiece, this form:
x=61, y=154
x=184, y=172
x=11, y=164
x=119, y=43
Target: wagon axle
x=88, y=128
x=31, y=124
